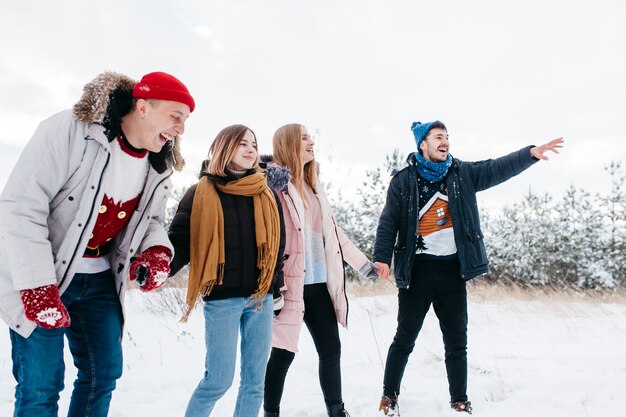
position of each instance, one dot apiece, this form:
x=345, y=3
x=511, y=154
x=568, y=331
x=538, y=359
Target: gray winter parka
x=50, y=203
x=398, y=225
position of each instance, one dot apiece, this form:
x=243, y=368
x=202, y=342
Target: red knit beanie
x=162, y=86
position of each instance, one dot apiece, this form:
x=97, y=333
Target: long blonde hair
x=287, y=144
x=223, y=149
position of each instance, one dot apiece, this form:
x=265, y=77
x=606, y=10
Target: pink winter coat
x=287, y=325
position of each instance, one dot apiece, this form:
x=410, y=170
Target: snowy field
x=528, y=356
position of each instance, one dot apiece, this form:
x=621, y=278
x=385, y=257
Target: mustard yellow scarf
x=207, y=255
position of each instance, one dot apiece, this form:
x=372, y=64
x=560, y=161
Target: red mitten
x=43, y=306
x=151, y=268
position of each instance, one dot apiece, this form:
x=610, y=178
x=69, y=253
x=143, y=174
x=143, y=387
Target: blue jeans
x=95, y=340
x=224, y=319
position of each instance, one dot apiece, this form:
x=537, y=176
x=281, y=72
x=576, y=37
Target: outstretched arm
x=554, y=146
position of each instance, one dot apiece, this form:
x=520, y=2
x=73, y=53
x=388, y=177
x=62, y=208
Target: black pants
x=320, y=319
x=437, y=283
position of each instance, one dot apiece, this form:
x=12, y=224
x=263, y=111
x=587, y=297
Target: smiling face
x=245, y=155
x=435, y=146
x=161, y=121
x=306, y=150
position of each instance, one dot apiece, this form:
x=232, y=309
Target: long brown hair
x=287, y=144
x=223, y=149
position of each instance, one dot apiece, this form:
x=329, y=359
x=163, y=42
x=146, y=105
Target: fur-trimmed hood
x=277, y=176
x=105, y=100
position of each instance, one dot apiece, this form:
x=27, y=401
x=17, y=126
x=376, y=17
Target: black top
x=240, y=271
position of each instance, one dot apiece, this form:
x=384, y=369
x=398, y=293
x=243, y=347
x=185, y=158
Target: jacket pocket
x=294, y=264
x=295, y=288
x=475, y=253
x=473, y=236
x=71, y=194
x=291, y=313
x=402, y=267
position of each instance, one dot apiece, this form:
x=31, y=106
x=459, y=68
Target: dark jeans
x=320, y=319
x=438, y=283
x=95, y=340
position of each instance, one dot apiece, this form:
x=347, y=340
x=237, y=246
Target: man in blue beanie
x=430, y=226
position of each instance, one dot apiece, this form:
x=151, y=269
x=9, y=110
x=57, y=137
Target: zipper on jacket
x=417, y=223
x=417, y=213
x=462, y=222
x=91, y=213
x=293, y=203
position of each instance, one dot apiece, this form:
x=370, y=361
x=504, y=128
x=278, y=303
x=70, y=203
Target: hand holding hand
x=369, y=270
x=151, y=268
x=43, y=306
x=554, y=146
x=383, y=271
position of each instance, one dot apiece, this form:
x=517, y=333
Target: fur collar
x=106, y=100
x=278, y=176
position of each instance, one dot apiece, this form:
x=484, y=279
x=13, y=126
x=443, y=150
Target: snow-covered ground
x=543, y=356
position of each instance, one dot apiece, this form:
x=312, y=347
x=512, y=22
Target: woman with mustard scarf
x=229, y=228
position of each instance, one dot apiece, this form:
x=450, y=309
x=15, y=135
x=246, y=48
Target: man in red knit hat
x=81, y=212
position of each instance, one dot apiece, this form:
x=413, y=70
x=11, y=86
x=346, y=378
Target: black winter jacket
x=240, y=271
x=397, y=228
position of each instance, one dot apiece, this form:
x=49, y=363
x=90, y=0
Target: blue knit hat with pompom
x=420, y=130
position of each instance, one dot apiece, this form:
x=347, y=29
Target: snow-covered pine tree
x=522, y=241
x=614, y=215
x=580, y=248
x=172, y=204
x=359, y=219
x=580, y=240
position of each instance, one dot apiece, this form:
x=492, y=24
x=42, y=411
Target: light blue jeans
x=224, y=320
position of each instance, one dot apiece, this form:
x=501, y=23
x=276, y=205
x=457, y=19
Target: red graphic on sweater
x=112, y=218
x=122, y=190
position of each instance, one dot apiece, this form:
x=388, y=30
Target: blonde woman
x=314, y=280
x=228, y=227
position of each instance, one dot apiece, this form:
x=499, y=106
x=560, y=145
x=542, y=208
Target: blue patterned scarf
x=432, y=171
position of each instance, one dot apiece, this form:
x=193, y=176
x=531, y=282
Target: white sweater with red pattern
x=128, y=170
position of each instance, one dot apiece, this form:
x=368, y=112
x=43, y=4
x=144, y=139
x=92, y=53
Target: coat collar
x=278, y=176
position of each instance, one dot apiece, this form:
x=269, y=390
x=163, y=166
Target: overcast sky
x=357, y=73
